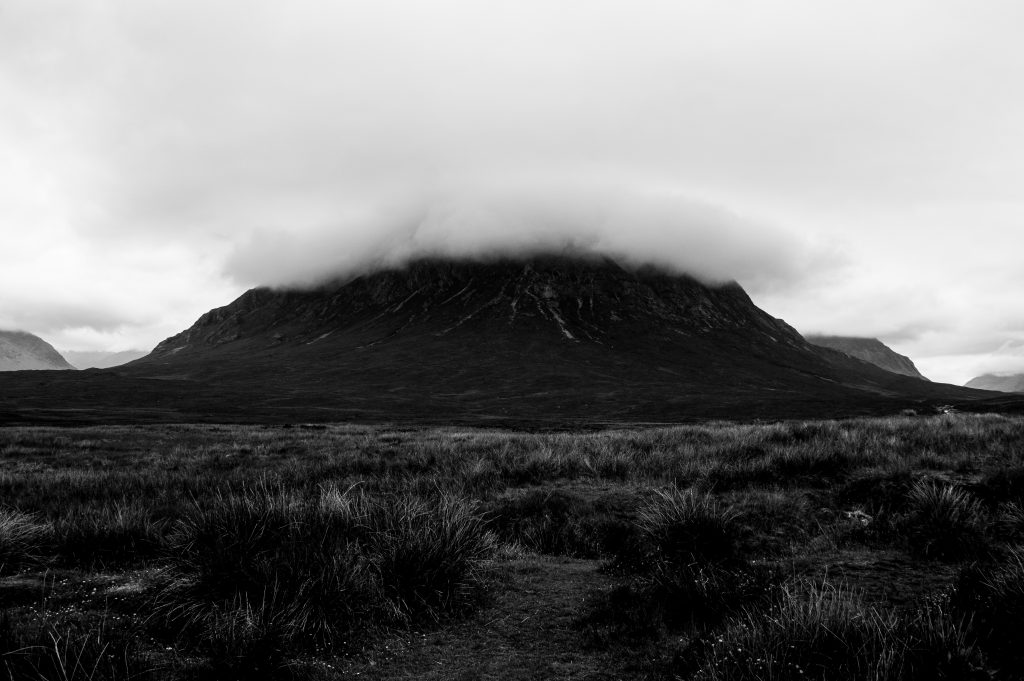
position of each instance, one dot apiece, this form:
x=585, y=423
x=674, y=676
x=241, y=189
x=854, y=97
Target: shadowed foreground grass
x=861, y=549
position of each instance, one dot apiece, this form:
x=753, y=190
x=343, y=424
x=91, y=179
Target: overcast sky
x=857, y=166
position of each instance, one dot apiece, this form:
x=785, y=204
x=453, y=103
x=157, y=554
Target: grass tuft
x=48, y=650
x=683, y=569
x=683, y=527
x=429, y=554
x=315, y=572
x=991, y=596
x=121, y=533
x=563, y=523
x=823, y=631
x=21, y=540
x=944, y=522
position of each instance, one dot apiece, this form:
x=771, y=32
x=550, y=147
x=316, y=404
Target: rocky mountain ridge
x=564, y=300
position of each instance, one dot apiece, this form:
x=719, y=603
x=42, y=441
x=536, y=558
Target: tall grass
x=45, y=649
x=314, y=571
x=21, y=540
x=563, y=522
x=944, y=521
x=1011, y=521
x=429, y=553
x=262, y=562
x=822, y=631
x=109, y=534
x=683, y=567
x=991, y=596
x=678, y=528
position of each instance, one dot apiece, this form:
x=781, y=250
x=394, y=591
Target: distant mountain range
x=546, y=341
x=1012, y=383
x=870, y=350
x=20, y=350
x=82, y=359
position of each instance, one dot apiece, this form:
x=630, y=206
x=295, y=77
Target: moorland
x=866, y=548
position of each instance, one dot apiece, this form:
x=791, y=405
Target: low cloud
x=474, y=221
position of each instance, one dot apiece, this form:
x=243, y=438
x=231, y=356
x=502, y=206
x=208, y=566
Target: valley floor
x=329, y=552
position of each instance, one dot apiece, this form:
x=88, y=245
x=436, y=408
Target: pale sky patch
x=858, y=167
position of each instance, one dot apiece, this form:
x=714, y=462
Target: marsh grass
x=277, y=544
x=1011, y=521
x=431, y=554
x=991, y=596
x=123, y=532
x=563, y=522
x=824, y=631
x=48, y=648
x=944, y=521
x=1004, y=484
x=683, y=568
x=683, y=527
x=878, y=490
x=21, y=540
x=316, y=571
x=774, y=521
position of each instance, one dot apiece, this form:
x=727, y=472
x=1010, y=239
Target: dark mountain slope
x=870, y=350
x=545, y=341
x=20, y=350
x=513, y=337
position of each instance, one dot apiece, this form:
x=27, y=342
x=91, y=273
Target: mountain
x=21, y=350
x=1009, y=383
x=84, y=359
x=546, y=341
x=870, y=350
x=517, y=337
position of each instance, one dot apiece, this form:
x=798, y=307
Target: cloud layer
x=477, y=220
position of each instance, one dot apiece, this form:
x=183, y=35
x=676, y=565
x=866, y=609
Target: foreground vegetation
x=861, y=549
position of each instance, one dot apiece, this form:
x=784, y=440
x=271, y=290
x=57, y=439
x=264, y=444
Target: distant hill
x=102, y=360
x=21, y=350
x=1013, y=383
x=870, y=350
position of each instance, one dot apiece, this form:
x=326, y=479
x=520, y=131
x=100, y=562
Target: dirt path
x=529, y=632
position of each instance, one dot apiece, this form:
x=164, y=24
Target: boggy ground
x=324, y=552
